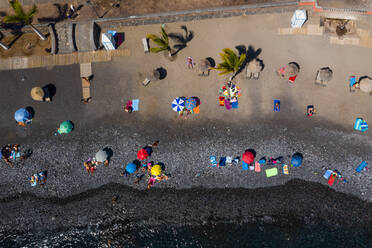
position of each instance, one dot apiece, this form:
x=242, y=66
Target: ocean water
x=216, y=235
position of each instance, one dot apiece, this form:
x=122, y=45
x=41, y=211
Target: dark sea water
x=216, y=235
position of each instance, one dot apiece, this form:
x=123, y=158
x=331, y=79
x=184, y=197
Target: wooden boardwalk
x=15, y=63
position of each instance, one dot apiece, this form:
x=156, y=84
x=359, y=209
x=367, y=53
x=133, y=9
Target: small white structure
x=299, y=18
x=108, y=41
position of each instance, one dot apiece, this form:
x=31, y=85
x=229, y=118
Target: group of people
x=100, y=158
x=140, y=168
x=11, y=153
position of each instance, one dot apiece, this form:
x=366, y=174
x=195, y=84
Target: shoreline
x=294, y=205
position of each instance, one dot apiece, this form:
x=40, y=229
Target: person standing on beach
x=190, y=62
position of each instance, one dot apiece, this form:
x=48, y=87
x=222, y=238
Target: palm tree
x=22, y=17
x=162, y=42
x=231, y=62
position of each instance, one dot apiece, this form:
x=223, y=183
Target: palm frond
x=157, y=40
x=157, y=49
x=13, y=19
x=241, y=60
x=17, y=7
x=164, y=35
x=31, y=13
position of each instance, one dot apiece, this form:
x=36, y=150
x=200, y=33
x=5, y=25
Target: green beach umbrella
x=65, y=127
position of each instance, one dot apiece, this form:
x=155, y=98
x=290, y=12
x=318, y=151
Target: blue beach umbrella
x=178, y=104
x=296, y=160
x=22, y=115
x=130, y=168
x=190, y=103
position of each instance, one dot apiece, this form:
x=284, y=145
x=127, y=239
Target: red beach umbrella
x=142, y=154
x=248, y=157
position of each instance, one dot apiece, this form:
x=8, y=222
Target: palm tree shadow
x=250, y=53
x=62, y=14
x=181, y=39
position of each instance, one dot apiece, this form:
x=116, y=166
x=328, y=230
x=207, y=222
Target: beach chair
x=361, y=166
x=145, y=43
x=146, y=81
x=352, y=83
x=135, y=104
x=213, y=161
x=245, y=166
x=285, y=169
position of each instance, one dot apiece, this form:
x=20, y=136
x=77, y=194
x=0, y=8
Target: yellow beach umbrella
x=37, y=93
x=156, y=170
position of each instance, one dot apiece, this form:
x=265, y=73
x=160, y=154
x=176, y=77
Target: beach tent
x=298, y=19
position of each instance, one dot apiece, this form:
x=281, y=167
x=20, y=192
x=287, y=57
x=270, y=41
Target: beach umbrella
x=325, y=74
x=248, y=157
x=142, y=154
x=254, y=66
x=37, y=94
x=190, y=103
x=156, y=170
x=130, y=168
x=292, y=69
x=365, y=85
x=65, y=127
x=178, y=104
x=101, y=156
x=22, y=115
x=296, y=160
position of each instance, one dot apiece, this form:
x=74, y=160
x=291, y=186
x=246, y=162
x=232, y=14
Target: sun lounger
x=245, y=166
x=213, y=161
x=257, y=167
x=222, y=161
x=331, y=180
x=361, y=166
x=285, y=169
x=145, y=45
x=146, y=81
x=327, y=174
x=135, y=104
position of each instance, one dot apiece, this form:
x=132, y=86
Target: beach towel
x=228, y=160
x=196, y=110
x=285, y=169
x=245, y=165
x=257, y=167
x=327, y=174
x=331, y=180
x=276, y=105
x=271, y=172
x=361, y=166
x=213, y=161
x=292, y=79
x=135, y=104
x=227, y=104
x=234, y=105
x=221, y=101
x=222, y=161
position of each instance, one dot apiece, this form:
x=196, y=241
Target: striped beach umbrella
x=178, y=104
